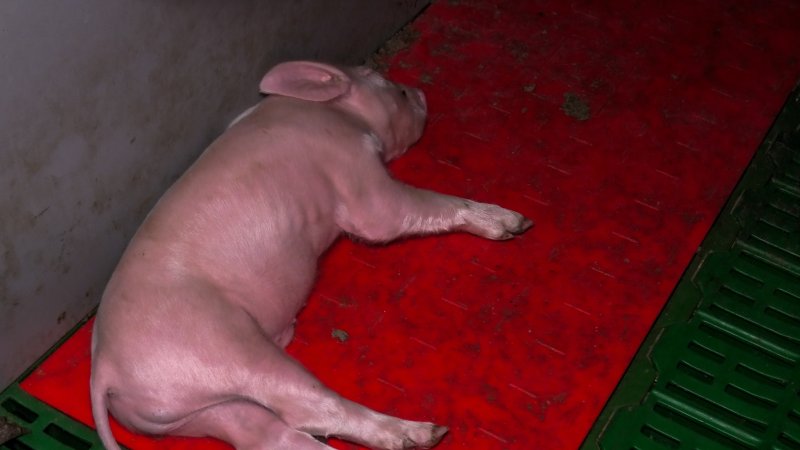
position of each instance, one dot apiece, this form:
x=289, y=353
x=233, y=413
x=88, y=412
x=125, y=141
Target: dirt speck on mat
x=379, y=61
x=426, y=78
x=9, y=430
x=576, y=106
x=340, y=335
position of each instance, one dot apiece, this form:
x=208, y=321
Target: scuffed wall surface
x=104, y=104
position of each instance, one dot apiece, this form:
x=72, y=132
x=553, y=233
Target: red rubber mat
x=619, y=127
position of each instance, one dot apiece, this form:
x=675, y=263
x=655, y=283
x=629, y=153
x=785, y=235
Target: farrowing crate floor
x=620, y=127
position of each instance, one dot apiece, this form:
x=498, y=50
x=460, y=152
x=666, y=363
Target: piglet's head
x=393, y=112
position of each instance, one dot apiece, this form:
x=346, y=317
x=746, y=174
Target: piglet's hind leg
x=248, y=426
x=302, y=402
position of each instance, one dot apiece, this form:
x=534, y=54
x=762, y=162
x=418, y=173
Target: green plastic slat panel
x=721, y=367
x=48, y=428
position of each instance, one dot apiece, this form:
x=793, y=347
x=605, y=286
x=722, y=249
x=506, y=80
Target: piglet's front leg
x=436, y=213
x=392, y=209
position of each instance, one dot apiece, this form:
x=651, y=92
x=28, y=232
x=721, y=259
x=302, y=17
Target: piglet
x=190, y=332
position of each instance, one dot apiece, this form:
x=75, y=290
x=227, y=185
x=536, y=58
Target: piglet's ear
x=306, y=80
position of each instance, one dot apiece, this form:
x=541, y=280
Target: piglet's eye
x=405, y=94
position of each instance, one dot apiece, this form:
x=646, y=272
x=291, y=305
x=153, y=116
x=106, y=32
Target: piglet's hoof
x=437, y=433
x=493, y=221
x=426, y=437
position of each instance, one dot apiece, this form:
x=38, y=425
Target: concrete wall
x=104, y=103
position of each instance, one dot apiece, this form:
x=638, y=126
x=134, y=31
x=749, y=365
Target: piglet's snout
x=419, y=106
x=419, y=99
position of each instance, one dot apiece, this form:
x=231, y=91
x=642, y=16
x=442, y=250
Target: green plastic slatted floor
x=721, y=367
x=47, y=428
